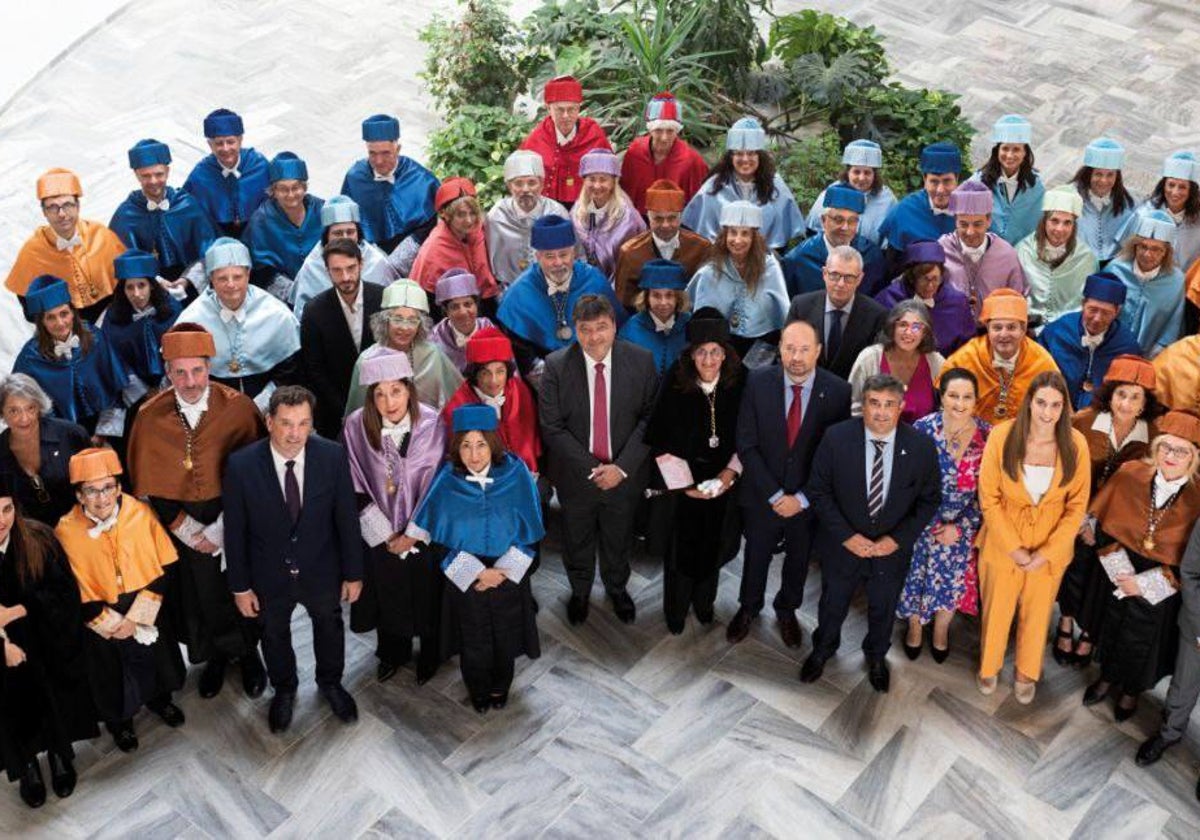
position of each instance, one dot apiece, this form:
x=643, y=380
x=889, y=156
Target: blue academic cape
x=463, y=516
x=138, y=343
x=178, y=236
x=911, y=220
x=1101, y=229
x=1013, y=220
x=665, y=347
x=1153, y=310
x=878, y=206
x=782, y=220
x=1063, y=337
x=278, y=245
x=527, y=312
x=230, y=200
x=803, y=265
x=391, y=211
x=80, y=387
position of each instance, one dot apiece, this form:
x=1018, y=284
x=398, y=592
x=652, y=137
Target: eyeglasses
x=841, y=279
x=841, y=221
x=401, y=321
x=65, y=207
x=98, y=492
x=713, y=353
x=913, y=328
x=1175, y=451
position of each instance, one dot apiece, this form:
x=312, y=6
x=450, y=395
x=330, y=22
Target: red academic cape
x=562, y=162
x=518, y=419
x=443, y=250
x=683, y=165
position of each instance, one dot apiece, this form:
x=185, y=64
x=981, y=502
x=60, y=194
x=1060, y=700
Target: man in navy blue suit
x=875, y=485
x=785, y=410
x=292, y=537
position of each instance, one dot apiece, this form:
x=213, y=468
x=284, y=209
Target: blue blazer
x=768, y=465
x=261, y=544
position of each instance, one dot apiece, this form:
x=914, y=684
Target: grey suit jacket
x=1189, y=583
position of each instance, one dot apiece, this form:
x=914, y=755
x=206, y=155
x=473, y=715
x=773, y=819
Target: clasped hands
x=1028, y=561
x=606, y=476
x=489, y=579
x=860, y=546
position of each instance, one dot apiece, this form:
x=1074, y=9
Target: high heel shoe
x=1065, y=658
x=1122, y=712
x=939, y=655
x=912, y=651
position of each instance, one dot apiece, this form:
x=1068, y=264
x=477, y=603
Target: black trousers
x=841, y=574
x=596, y=521
x=681, y=591
x=212, y=628
x=329, y=643
x=764, y=529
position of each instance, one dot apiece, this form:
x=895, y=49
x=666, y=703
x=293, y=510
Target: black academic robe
x=58, y=440
x=44, y=702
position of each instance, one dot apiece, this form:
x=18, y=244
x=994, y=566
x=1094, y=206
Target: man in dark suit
x=875, y=485
x=846, y=320
x=595, y=398
x=292, y=537
x=785, y=412
x=334, y=329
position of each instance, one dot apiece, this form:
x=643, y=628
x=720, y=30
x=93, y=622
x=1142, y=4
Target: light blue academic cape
x=878, y=206
x=756, y=314
x=1101, y=229
x=1013, y=220
x=268, y=335
x=1153, y=310
x=782, y=220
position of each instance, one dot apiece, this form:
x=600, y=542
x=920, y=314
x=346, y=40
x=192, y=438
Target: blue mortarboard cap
x=223, y=123
x=380, y=128
x=287, y=166
x=149, y=153
x=552, y=233
x=741, y=214
x=1180, y=165
x=746, y=135
x=1155, y=224
x=224, y=252
x=338, y=210
x=663, y=274
x=845, y=198
x=862, y=153
x=135, y=263
x=1104, y=286
x=940, y=158
x=1103, y=153
x=46, y=292
x=476, y=417
x=1012, y=128
x=924, y=251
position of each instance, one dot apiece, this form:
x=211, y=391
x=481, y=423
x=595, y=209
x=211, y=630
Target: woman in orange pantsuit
x=1033, y=491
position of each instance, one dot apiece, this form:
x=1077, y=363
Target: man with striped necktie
x=874, y=485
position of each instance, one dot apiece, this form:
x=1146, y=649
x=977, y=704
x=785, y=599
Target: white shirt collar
x=829, y=307
x=102, y=525
x=281, y=462
x=349, y=308
x=937, y=211
x=564, y=139
x=709, y=387
x=606, y=361
x=1099, y=202
x=666, y=247
x=4, y=545
x=397, y=431
x=68, y=244
x=193, y=411
x=1104, y=425
x=662, y=326
x=481, y=477
x=226, y=171
x=974, y=254
x=496, y=402
x=1143, y=276
x=555, y=288
x=1009, y=365
x=152, y=205
x=64, y=349
x=889, y=438
x=1092, y=341
x=1054, y=252
x=228, y=315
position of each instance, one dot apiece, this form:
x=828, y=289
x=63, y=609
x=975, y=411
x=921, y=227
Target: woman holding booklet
x=692, y=433
x=1141, y=520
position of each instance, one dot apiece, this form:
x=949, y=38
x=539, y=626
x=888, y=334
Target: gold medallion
x=235, y=366
x=1087, y=386
x=391, y=487
x=1149, y=544
x=1001, y=410
x=187, y=463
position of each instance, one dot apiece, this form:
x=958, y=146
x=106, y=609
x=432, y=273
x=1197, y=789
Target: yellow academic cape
x=976, y=356
x=1177, y=374
x=87, y=268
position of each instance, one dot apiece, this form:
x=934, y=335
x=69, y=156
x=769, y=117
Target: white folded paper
x=376, y=527
x=462, y=569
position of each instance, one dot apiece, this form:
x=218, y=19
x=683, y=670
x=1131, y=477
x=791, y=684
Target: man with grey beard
x=510, y=221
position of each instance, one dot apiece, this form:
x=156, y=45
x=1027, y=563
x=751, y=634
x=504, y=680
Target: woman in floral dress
x=942, y=576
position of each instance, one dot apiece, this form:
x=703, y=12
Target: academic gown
x=1063, y=338
x=1054, y=290
x=178, y=236
x=869, y=221
x=434, y=375
x=313, y=276
x=392, y=211
x=782, y=220
x=495, y=626
x=58, y=440
x=1013, y=220
x=442, y=251
x=750, y=315
x=666, y=346
x=446, y=339
x=528, y=312
x=998, y=268
x=1187, y=235
x=976, y=356
x=1153, y=309
x=601, y=240
x=230, y=201
x=400, y=596
x=508, y=232
x=1101, y=229
x=260, y=349
x=562, y=182
x=276, y=245
x=79, y=387
x=87, y=268
x=683, y=165
x=804, y=264
x=44, y=703
x=912, y=219
x=691, y=252
x=1177, y=374
x=138, y=342
x=518, y=418
x=953, y=323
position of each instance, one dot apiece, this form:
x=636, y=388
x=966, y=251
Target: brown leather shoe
x=789, y=630
x=739, y=627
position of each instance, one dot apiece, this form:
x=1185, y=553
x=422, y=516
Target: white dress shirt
x=193, y=411
x=590, y=367
x=281, y=472
x=889, y=455
x=353, y=313
x=666, y=247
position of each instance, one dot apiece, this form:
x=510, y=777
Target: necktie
x=835, y=334
x=875, y=494
x=600, y=416
x=291, y=491
x=793, y=416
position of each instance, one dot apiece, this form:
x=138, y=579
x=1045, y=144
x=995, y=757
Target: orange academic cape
x=976, y=356
x=87, y=268
x=1122, y=508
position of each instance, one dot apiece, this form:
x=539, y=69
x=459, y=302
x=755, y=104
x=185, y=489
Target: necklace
x=559, y=301
x=955, y=441
x=188, y=463
x=1006, y=379
x=713, y=440
x=1155, y=516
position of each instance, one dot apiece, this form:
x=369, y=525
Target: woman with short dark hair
x=140, y=312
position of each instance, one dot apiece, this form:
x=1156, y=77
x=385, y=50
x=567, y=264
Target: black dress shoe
x=499, y=701
x=33, y=788
x=812, y=669
x=1096, y=692
x=1063, y=657
x=212, y=679
x=623, y=607
x=878, y=674
x=1198, y=789
x=426, y=668
x=280, y=715
x=739, y=627
x=171, y=714
x=340, y=701
x=62, y=774
x=675, y=628
x=254, y=675
x=789, y=629
x=123, y=735
x=939, y=655
x=1123, y=711
x=481, y=704
x=577, y=609
x=912, y=651
x=705, y=615
x=384, y=671
x=1152, y=750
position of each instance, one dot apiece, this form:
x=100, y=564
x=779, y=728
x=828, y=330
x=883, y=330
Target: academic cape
x=178, y=236
x=391, y=211
x=230, y=200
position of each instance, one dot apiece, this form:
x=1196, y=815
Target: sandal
x=1064, y=656
x=1084, y=659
